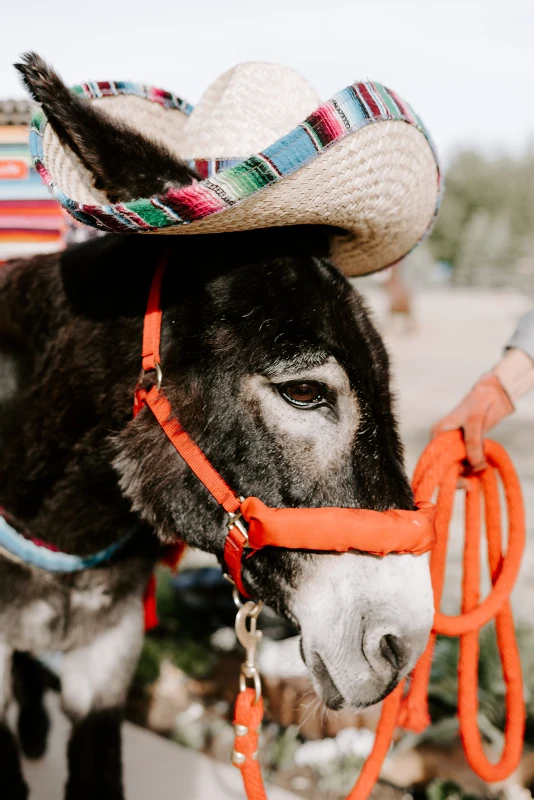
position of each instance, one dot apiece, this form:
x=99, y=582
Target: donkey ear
x=125, y=164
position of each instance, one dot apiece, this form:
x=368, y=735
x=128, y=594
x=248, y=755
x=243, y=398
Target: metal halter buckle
x=159, y=375
x=235, y=519
x=249, y=639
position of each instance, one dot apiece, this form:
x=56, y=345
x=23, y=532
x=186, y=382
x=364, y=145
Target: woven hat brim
x=362, y=162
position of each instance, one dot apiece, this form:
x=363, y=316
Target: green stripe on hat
x=253, y=174
x=386, y=97
x=149, y=213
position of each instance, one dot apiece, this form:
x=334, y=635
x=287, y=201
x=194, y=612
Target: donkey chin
x=365, y=621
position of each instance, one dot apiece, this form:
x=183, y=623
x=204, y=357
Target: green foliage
x=282, y=748
x=167, y=601
x=178, y=640
x=195, y=658
x=446, y=790
x=443, y=689
x=338, y=775
x=486, y=220
x=148, y=665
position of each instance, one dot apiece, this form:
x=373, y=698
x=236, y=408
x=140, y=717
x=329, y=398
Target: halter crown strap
x=153, y=315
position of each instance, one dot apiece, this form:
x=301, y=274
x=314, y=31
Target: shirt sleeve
x=523, y=337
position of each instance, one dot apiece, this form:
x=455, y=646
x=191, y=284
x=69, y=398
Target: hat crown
x=246, y=109
x=362, y=163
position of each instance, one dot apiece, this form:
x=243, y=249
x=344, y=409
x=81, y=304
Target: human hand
x=485, y=405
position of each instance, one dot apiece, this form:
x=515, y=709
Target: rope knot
x=413, y=714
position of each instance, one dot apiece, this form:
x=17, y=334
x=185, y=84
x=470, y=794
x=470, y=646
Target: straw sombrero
x=269, y=154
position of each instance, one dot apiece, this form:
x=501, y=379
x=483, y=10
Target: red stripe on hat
x=369, y=100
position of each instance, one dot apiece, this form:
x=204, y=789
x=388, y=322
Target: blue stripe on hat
x=291, y=151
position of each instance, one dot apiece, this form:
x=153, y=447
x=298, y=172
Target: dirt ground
x=458, y=335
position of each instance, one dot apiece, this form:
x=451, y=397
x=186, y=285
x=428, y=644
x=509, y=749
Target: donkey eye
x=303, y=394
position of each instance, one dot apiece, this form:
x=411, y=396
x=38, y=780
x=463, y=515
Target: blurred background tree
x=485, y=229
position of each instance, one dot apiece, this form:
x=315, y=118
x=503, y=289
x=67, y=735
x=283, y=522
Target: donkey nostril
x=394, y=651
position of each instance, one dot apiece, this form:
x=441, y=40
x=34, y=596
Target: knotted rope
x=439, y=468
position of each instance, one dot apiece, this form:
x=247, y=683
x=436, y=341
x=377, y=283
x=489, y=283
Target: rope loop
x=440, y=467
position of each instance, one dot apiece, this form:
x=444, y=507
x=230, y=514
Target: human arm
x=494, y=395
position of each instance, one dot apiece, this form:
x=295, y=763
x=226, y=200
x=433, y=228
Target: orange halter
x=328, y=529
x=379, y=533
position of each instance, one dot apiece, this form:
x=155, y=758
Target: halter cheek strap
x=191, y=453
x=322, y=529
x=156, y=400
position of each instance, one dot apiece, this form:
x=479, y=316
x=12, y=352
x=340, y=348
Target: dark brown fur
x=78, y=472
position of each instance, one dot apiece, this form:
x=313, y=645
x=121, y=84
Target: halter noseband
x=251, y=524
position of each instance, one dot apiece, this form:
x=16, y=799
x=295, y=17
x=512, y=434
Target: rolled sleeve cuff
x=523, y=337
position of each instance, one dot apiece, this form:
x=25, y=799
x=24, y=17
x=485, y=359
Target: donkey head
x=273, y=366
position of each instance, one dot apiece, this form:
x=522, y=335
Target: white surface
x=154, y=769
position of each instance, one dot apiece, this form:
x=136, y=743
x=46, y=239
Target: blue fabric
x=291, y=151
x=523, y=337
x=352, y=107
x=28, y=552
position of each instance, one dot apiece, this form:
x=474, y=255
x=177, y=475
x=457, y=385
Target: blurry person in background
x=494, y=395
x=400, y=312
x=400, y=299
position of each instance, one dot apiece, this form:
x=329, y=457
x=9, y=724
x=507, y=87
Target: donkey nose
x=394, y=651
x=388, y=654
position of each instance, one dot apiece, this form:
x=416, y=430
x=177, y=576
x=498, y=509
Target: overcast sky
x=466, y=67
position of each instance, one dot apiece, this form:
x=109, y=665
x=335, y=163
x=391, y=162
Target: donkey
x=272, y=365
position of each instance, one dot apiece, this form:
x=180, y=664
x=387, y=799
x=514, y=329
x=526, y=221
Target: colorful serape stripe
x=96, y=89
x=30, y=220
x=206, y=167
x=226, y=185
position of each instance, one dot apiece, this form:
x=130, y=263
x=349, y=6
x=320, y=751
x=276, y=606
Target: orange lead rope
x=439, y=468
